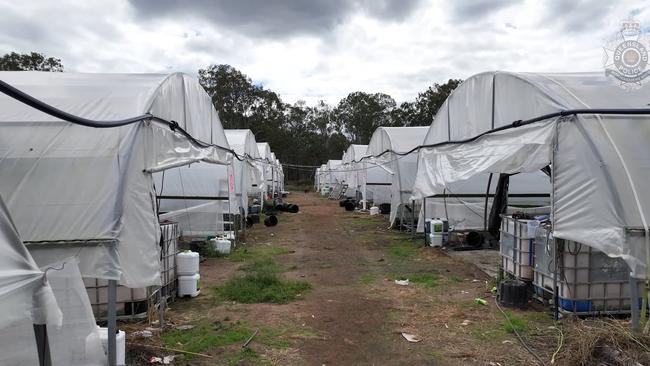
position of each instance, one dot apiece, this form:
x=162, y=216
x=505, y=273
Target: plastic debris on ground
x=480, y=301
x=411, y=337
x=167, y=360
x=402, y=282
x=142, y=334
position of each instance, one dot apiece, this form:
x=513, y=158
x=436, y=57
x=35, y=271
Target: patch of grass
x=402, y=249
x=256, y=252
x=245, y=354
x=262, y=264
x=261, y=284
x=367, y=278
x=425, y=279
x=516, y=323
x=205, y=336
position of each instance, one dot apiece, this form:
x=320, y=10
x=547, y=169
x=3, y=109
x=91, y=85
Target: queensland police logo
x=626, y=55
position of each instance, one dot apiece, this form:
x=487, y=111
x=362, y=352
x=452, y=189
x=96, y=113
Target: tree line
x=298, y=133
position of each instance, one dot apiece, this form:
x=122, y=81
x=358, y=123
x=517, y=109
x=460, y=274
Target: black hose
x=29, y=100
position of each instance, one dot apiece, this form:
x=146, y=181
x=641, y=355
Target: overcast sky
x=320, y=49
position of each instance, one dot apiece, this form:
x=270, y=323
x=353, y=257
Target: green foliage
x=33, y=61
x=310, y=135
x=261, y=285
x=515, y=323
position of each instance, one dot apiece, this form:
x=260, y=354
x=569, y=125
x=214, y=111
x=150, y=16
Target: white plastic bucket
x=120, y=345
x=189, y=285
x=187, y=263
x=374, y=210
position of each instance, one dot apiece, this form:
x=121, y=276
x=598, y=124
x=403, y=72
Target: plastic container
x=120, y=345
x=589, y=282
x=189, y=285
x=374, y=210
x=187, y=263
x=221, y=245
x=436, y=231
x=517, y=246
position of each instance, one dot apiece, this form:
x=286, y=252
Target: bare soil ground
x=355, y=313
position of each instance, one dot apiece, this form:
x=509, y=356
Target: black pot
x=513, y=294
x=349, y=206
x=271, y=220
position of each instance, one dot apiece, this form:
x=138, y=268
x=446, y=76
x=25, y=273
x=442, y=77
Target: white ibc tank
x=374, y=210
x=187, y=263
x=189, y=285
x=120, y=345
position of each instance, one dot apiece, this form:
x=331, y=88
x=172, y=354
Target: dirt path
x=355, y=313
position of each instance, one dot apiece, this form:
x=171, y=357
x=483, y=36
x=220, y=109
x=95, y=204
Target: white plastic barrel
x=189, y=285
x=187, y=263
x=374, y=210
x=120, y=345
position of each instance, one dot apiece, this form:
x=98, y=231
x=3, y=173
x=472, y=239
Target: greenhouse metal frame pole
x=112, y=323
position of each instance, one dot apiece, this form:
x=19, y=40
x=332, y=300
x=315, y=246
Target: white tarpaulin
x=196, y=196
x=600, y=162
x=269, y=170
x=248, y=173
x=355, y=175
x=397, y=140
x=24, y=292
x=75, y=190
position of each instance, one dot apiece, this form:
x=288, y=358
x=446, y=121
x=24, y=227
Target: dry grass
x=604, y=342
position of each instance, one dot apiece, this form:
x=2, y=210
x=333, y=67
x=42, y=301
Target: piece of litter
x=402, y=282
x=464, y=292
x=411, y=338
x=142, y=333
x=446, y=326
x=465, y=322
x=507, y=342
x=168, y=359
x=184, y=327
x=475, y=280
x=480, y=301
x=494, y=290
x=272, y=234
x=312, y=315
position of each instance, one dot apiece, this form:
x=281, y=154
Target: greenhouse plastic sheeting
x=195, y=217
x=247, y=172
x=355, y=174
x=75, y=342
x=24, y=293
x=403, y=167
x=601, y=163
x=71, y=186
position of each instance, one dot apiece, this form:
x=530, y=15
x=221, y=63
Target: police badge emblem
x=625, y=55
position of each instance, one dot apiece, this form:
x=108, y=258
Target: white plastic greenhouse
x=248, y=172
x=354, y=172
x=85, y=192
x=88, y=193
x=599, y=157
x=272, y=172
x=386, y=148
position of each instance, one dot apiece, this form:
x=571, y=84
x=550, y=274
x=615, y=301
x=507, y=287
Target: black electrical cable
x=29, y=100
x=519, y=123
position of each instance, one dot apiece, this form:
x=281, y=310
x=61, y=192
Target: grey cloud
x=573, y=16
x=470, y=10
x=274, y=19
